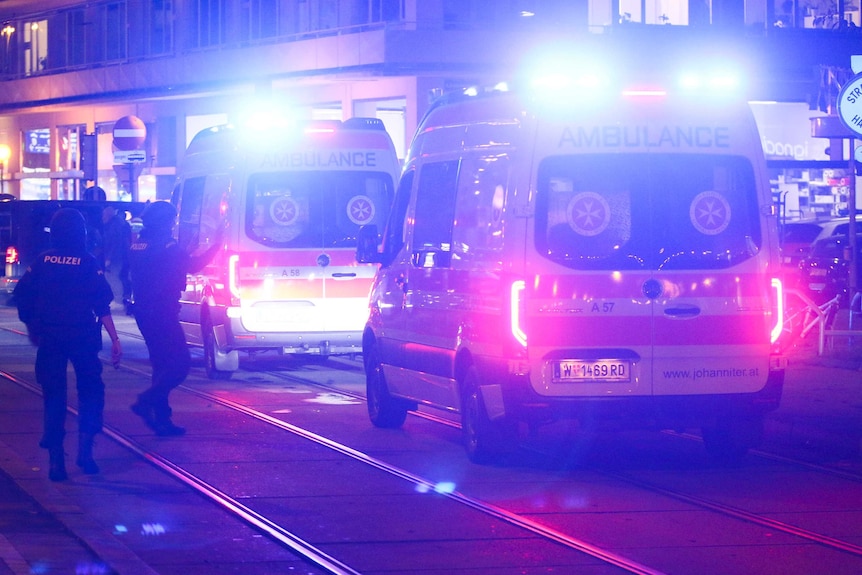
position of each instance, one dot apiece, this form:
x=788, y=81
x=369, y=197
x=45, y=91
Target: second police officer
x=158, y=267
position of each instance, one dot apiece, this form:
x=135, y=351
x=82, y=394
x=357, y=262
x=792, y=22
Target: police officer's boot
x=167, y=428
x=85, y=454
x=56, y=464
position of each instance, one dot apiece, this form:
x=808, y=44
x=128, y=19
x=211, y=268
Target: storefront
x=806, y=183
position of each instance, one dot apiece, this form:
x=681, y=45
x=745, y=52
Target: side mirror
x=366, y=245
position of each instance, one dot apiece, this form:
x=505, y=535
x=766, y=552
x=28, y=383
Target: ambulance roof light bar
x=713, y=83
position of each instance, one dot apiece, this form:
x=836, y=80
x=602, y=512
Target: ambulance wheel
x=485, y=440
x=213, y=358
x=728, y=440
x=384, y=410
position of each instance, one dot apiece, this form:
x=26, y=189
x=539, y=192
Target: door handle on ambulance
x=682, y=311
x=344, y=275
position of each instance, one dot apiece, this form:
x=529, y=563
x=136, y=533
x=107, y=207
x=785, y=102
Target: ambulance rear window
x=647, y=211
x=315, y=209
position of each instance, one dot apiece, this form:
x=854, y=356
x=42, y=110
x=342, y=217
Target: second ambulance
x=291, y=200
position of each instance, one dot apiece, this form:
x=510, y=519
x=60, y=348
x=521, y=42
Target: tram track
x=285, y=537
x=548, y=532
x=717, y=507
x=229, y=504
x=758, y=453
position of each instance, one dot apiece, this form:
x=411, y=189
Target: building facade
x=71, y=69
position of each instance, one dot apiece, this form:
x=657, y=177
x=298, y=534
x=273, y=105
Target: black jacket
x=63, y=292
x=158, y=268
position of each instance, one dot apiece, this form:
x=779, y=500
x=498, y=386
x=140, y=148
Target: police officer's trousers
x=52, y=359
x=169, y=356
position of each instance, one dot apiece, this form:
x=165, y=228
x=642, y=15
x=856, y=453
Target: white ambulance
x=291, y=200
x=612, y=259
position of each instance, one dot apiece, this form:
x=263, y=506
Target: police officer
x=158, y=271
x=64, y=299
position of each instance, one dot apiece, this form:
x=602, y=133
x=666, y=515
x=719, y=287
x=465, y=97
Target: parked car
x=25, y=230
x=798, y=237
x=825, y=272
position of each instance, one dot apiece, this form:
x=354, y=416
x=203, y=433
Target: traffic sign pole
x=850, y=112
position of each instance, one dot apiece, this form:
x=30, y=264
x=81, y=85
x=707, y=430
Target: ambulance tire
x=485, y=441
x=728, y=440
x=211, y=354
x=384, y=411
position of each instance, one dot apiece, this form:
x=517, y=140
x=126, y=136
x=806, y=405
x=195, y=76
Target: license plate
x=580, y=370
x=818, y=273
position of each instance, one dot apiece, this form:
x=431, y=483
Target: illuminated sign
x=643, y=136
x=38, y=141
x=321, y=160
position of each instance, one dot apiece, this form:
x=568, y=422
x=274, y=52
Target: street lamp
x=5, y=153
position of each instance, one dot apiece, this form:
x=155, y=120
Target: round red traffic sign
x=130, y=133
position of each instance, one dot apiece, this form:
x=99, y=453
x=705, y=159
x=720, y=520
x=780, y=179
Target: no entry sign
x=130, y=133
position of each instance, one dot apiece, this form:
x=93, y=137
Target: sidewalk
x=820, y=416
x=843, y=352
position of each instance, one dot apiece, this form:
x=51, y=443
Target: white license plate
x=581, y=370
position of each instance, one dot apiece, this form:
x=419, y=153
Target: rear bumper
x=232, y=336
x=7, y=284
x=661, y=412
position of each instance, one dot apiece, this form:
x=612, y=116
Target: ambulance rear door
x=652, y=275
x=297, y=270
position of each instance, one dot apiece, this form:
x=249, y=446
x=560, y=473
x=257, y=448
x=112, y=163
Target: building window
x=663, y=12
x=207, y=23
x=76, y=29
x=385, y=10
x=114, y=31
x=819, y=14
x=160, y=32
x=259, y=18
x=35, y=46
x=10, y=37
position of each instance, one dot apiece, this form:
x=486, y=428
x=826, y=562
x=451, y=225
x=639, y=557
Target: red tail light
x=777, y=310
x=12, y=255
x=516, y=312
x=233, y=275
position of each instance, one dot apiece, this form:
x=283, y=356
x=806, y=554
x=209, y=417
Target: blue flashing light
x=473, y=91
x=710, y=83
x=266, y=114
x=564, y=89
x=644, y=93
x=560, y=81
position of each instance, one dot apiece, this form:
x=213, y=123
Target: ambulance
x=286, y=202
x=610, y=256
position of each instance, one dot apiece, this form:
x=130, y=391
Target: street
x=281, y=460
